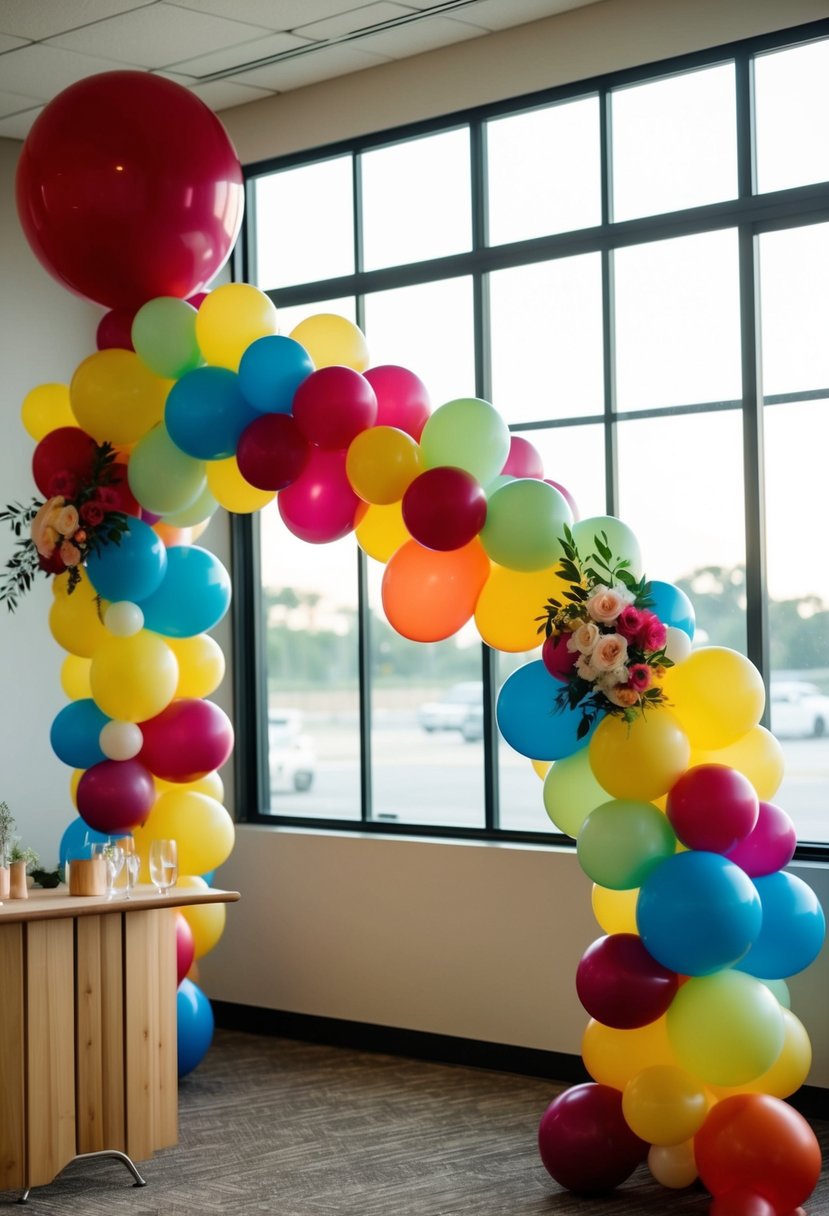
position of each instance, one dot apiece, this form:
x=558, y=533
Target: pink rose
x=605, y=604
x=640, y=676
x=584, y=638
x=652, y=634
x=610, y=651
x=622, y=695
x=66, y=522
x=70, y=554
x=629, y=622
x=92, y=513
x=107, y=497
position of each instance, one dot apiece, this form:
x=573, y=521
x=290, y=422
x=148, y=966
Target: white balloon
x=120, y=740
x=673, y=1164
x=677, y=645
x=124, y=618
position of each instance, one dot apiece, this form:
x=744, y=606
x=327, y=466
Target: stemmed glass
x=163, y=864
x=132, y=864
x=114, y=862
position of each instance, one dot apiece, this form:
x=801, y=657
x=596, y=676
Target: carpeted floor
x=296, y=1129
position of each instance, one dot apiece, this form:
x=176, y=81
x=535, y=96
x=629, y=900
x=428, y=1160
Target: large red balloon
x=621, y=985
x=272, y=452
x=128, y=187
x=62, y=460
x=333, y=405
x=444, y=508
x=186, y=740
x=116, y=796
x=712, y=807
x=584, y=1141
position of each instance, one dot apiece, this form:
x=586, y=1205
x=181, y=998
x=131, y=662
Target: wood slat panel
x=50, y=1054
x=12, y=1113
x=166, y=1105
x=141, y=1031
x=112, y=1032
x=90, y=1080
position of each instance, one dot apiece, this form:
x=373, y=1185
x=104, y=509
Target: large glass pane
x=304, y=224
x=678, y=322
x=520, y=790
x=573, y=457
x=416, y=200
x=797, y=437
x=791, y=99
x=674, y=143
x=681, y=491
x=310, y=654
x=544, y=171
x=547, y=339
x=794, y=286
x=428, y=329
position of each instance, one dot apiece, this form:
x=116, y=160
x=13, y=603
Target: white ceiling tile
x=44, y=18
x=225, y=94
x=156, y=39
x=273, y=14
x=316, y=65
x=47, y=70
x=7, y=43
x=239, y=55
x=355, y=19
x=496, y=15
x=419, y=36
x=12, y=103
x=18, y=126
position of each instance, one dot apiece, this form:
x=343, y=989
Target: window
x=635, y=273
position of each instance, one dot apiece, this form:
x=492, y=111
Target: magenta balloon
x=444, y=508
x=272, y=452
x=621, y=985
x=116, y=796
x=524, y=460
x=571, y=502
x=115, y=329
x=769, y=846
x=402, y=398
x=320, y=506
x=333, y=405
x=584, y=1141
x=712, y=807
x=555, y=656
x=128, y=188
x=185, y=947
x=186, y=740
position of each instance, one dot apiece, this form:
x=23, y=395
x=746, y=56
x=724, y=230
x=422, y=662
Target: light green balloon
x=161, y=476
x=725, y=1028
x=164, y=337
x=620, y=538
x=571, y=792
x=200, y=510
x=468, y=434
x=779, y=989
x=620, y=842
x=524, y=523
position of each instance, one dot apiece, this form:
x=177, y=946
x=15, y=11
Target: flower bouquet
x=601, y=639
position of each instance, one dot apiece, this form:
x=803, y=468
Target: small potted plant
x=20, y=862
x=6, y=826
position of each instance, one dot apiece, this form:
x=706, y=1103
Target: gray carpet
x=295, y=1129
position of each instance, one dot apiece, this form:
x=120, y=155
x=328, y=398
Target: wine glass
x=163, y=864
x=132, y=864
x=114, y=862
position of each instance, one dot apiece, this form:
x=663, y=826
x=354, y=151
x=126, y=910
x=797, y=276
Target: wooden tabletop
x=56, y=903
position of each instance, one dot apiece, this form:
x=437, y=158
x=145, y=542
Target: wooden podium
x=88, y=1028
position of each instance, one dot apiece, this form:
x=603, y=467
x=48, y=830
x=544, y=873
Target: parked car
x=291, y=755
x=798, y=710
x=453, y=708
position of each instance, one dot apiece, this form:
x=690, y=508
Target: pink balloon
x=524, y=460
x=571, y=502
x=320, y=506
x=444, y=508
x=198, y=299
x=185, y=948
x=186, y=740
x=555, y=656
x=115, y=329
x=712, y=807
x=584, y=1141
x=333, y=405
x=769, y=846
x=621, y=985
x=402, y=398
x=116, y=796
x=272, y=452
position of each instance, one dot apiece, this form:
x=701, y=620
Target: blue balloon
x=77, y=840
x=672, y=606
x=209, y=876
x=195, y=1026
x=75, y=731
x=194, y=594
x=698, y=913
x=794, y=927
x=206, y=413
x=132, y=569
x=529, y=717
x=271, y=370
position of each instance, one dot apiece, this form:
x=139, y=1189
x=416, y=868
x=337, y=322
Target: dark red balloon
x=185, y=948
x=555, y=656
x=272, y=452
x=444, y=508
x=621, y=985
x=584, y=1141
x=712, y=807
x=333, y=405
x=402, y=398
x=523, y=460
x=127, y=502
x=66, y=450
x=128, y=187
x=115, y=329
x=116, y=796
x=186, y=740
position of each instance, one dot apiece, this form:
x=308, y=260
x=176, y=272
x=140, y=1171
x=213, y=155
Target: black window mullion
x=611, y=464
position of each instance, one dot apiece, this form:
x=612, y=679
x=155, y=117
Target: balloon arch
x=131, y=195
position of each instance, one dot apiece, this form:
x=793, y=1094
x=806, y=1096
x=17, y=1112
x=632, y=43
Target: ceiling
x=228, y=52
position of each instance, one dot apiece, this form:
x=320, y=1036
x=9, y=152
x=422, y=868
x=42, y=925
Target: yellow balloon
x=508, y=608
x=207, y=921
x=789, y=1070
x=210, y=784
x=673, y=1165
x=381, y=531
x=74, y=782
x=115, y=397
x=614, y=1057
x=615, y=911
x=75, y=620
x=330, y=339
x=641, y=759
x=664, y=1104
x=757, y=755
x=717, y=695
x=45, y=408
x=201, y=664
x=229, y=319
x=74, y=677
x=541, y=767
x=201, y=827
x=231, y=491
x=381, y=464
x=133, y=678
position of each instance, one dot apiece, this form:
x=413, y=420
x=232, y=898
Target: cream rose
x=584, y=638
x=43, y=526
x=585, y=669
x=605, y=604
x=610, y=651
x=622, y=694
x=67, y=521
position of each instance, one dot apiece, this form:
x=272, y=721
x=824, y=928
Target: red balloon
x=621, y=985
x=62, y=460
x=770, y=844
x=333, y=405
x=320, y=506
x=555, y=656
x=116, y=796
x=272, y=452
x=760, y=1144
x=128, y=187
x=402, y=398
x=742, y=1203
x=185, y=948
x=712, y=807
x=186, y=740
x=127, y=502
x=115, y=329
x=524, y=460
x=584, y=1141
x=444, y=508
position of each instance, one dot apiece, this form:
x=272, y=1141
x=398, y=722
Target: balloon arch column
x=130, y=193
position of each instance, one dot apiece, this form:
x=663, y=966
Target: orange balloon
x=173, y=536
x=429, y=595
